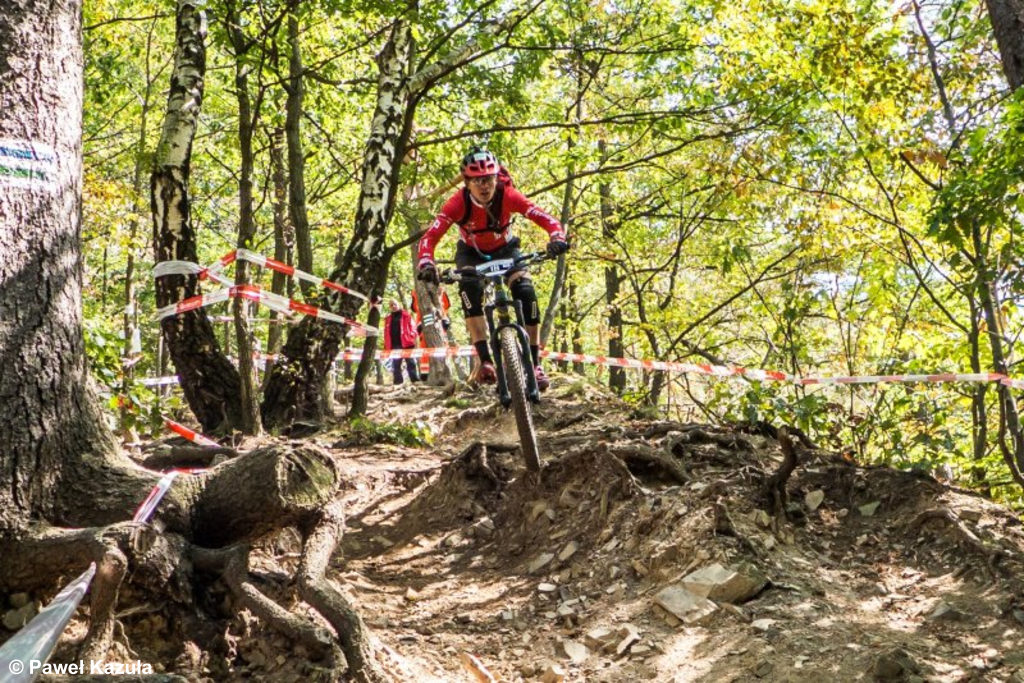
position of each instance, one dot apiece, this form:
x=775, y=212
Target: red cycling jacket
x=475, y=232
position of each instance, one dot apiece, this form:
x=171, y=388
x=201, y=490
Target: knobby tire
x=516, y=380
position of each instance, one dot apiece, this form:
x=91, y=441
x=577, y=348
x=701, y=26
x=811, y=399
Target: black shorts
x=471, y=292
x=466, y=255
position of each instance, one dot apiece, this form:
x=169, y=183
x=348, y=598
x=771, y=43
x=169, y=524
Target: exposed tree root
x=233, y=563
x=963, y=535
x=206, y=522
x=774, y=491
x=639, y=454
x=321, y=538
x=110, y=573
x=187, y=456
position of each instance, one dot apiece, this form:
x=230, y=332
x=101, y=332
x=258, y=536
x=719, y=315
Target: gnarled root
x=774, y=490
x=321, y=538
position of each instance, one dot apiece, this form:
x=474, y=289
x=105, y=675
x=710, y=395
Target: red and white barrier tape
x=188, y=268
x=214, y=271
x=155, y=496
x=291, y=271
x=272, y=301
x=284, y=304
x=194, y=437
x=674, y=366
x=193, y=302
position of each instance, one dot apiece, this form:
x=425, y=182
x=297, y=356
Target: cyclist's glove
x=428, y=273
x=557, y=247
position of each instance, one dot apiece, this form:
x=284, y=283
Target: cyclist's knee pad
x=523, y=292
x=471, y=294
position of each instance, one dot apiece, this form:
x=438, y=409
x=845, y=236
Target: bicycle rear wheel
x=512, y=363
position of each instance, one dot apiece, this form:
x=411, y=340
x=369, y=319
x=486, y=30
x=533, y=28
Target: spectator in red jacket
x=483, y=211
x=400, y=333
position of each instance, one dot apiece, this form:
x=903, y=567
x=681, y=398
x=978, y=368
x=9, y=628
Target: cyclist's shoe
x=542, y=379
x=486, y=374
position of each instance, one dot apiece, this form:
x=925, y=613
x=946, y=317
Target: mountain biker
x=483, y=211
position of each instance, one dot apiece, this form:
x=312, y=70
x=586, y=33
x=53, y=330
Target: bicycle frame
x=502, y=311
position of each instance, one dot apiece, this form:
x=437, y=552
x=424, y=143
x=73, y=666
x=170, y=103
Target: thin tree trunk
x=564, y=216
x=1008, y=404
x=609, y=229
x=283, y=239
x=130, y=322
x=249, y=385
x=979, y=411
x=296, y=157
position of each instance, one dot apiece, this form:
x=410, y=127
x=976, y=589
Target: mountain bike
x=510, y=346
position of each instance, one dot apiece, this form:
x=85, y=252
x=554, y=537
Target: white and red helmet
x=479, y=162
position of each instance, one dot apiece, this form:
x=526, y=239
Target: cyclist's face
x=482, y=187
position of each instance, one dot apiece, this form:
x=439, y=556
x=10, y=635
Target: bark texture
x=293, y=389
x=47, y=406
x=1007, y=18
x=210, y=383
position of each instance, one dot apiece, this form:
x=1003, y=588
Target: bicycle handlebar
x=492, y=269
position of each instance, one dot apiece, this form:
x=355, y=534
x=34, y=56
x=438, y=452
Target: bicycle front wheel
x=515, y=378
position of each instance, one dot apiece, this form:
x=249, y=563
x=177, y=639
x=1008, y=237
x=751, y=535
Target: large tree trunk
x=59, y=464
x=293, y=389
x=46, y=405
x=210, y=383
x=1007, y=18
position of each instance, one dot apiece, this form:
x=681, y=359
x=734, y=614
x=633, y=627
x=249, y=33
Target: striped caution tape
x=878, y=379
x=668, y=366
x=685, y=368
x=159, y=381
x=272, y=301
x=283, y=304
x=291, y=271
x=214, y=271
x=147, y=507
x=194, y=437
x=193, y=302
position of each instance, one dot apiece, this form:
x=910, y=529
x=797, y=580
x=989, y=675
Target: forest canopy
x=819, y=189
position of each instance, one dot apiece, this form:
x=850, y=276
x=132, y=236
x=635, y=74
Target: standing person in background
x=483, y=211
x=399, y=333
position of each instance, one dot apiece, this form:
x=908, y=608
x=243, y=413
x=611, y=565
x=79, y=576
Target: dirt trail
x=454, y=550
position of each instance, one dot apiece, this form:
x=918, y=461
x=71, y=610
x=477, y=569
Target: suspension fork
x=502, y=304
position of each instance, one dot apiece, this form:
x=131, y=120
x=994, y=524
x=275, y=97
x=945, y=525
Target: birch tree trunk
x=210, y=383
x=612, y=281
x=293, y=389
